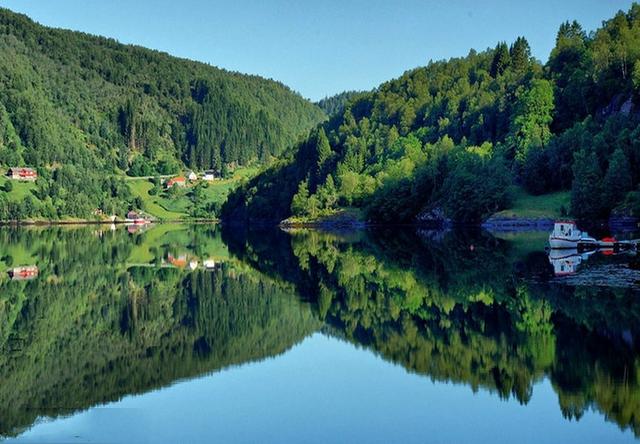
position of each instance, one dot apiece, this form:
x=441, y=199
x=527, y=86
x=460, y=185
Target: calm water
x=196, y=334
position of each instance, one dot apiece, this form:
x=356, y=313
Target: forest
x=455, y=137
x=86, y=111
x=452, y=141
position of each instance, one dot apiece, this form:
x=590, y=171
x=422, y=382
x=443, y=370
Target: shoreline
x=498, y=224
x=51, y=223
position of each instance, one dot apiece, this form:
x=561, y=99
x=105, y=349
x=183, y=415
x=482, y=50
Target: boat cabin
x=566, y=229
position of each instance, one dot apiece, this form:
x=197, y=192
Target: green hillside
x=451, y=138
x=85, y=110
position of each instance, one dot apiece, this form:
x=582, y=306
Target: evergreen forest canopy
x=452, y=138
x=85, y=110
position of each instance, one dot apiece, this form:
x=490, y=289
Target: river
x=195, y=333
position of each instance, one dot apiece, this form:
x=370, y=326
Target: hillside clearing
x=525, y=205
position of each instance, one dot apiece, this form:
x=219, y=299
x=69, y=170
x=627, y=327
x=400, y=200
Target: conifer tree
x=520, y=54
x=501, y=60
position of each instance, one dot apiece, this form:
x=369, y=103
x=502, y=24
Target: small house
x=132, y=215
x=179, y=181
x=179, y=261
x=24, y=174
x=209, y=175
x=192, y=176
x=24, y=273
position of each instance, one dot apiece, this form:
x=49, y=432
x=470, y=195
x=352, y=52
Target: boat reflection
x=25, y=273
x=567, y=262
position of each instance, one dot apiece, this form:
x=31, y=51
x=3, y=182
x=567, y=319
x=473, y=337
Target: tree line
x=453, y=136
x=104, y=109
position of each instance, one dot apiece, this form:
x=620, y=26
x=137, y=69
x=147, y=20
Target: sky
x=322, y=47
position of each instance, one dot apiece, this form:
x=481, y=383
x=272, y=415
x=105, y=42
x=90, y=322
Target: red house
x=24, y=273
x=26, y=174
x=180, y=181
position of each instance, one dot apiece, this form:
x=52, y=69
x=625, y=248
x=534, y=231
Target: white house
x=192, y=176
x=209, y=175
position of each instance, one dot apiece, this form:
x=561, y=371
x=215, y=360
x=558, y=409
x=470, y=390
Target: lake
x=197, y=333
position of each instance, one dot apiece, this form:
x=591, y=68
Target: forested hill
x=335, y=104
x=69, y=98
x=452, y=138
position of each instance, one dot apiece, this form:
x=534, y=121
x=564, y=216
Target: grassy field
x=339, y=216
x=154, y=205
x=545, y=206
x=20, y=189
x=19, y=255
x=178, y=239
x=177, y=207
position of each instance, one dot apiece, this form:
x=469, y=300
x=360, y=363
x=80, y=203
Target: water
x=195, y=334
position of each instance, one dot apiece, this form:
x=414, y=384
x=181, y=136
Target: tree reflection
x=470, y=308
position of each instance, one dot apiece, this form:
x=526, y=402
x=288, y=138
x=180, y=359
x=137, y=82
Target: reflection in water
x=567, y=262
x=99, y=324
x=114, y=313
x=25, y=273
x=601, y=268
x=470, y=308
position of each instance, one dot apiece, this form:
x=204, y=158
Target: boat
x=566, y=235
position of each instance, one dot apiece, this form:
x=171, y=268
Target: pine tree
x=323, y=154
x=501, y=60
x=520, y=54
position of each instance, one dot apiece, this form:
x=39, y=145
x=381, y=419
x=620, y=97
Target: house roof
x=23, y=170
x=176, y=180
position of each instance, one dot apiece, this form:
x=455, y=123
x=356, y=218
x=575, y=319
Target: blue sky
x=320, y=47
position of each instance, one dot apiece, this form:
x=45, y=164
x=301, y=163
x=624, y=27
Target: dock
x=610, y=244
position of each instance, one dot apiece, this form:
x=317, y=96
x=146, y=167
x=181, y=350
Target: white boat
x=566, y=261
x=566, y=235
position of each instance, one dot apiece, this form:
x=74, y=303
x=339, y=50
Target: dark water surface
x=193, y=334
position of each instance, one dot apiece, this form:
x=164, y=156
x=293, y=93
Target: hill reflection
x=113, y=313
